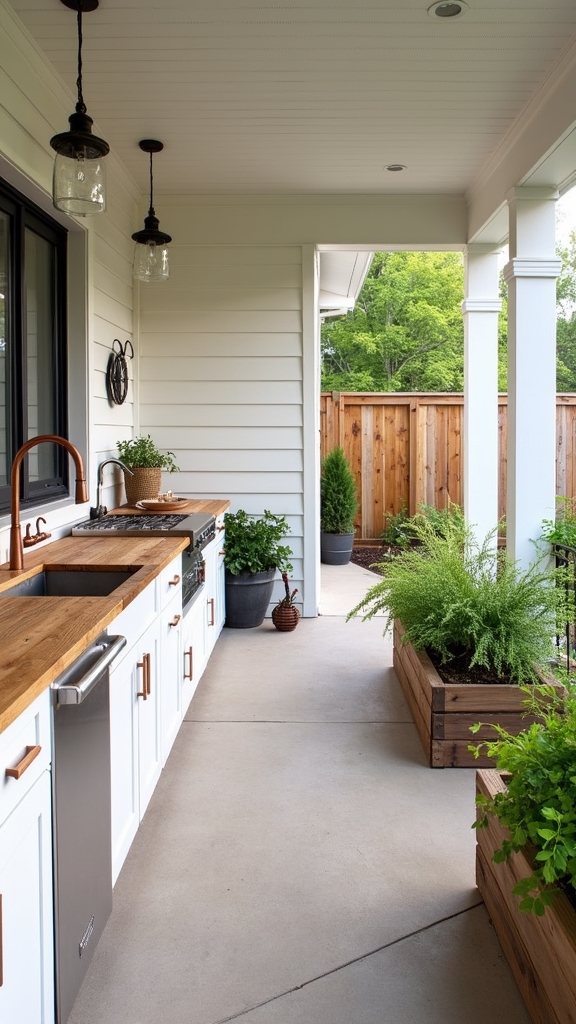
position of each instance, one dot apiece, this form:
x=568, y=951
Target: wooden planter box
x=540, y=950
x=443, y=712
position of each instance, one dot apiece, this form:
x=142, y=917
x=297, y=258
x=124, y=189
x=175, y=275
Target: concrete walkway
x=299, y=863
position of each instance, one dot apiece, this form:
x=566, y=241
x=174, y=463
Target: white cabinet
x=193, y=648
x=26, y=916
x=214, y=588
x=145, y=702
x=170, y=674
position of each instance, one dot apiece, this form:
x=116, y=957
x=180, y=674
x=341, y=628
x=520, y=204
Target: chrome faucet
x=100, y=511
x=81, y=495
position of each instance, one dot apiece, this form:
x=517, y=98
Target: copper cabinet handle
x=188, y=654
x=20, y=768
x=213, y=614
x=175, y=620
x=143, y=665
x=219, y=528
x=147, y=659
x=221, y=552
x=174, y=582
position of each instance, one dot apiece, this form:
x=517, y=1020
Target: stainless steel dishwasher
x=82, y=814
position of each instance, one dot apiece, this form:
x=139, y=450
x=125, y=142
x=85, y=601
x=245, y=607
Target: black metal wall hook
x=117, y=372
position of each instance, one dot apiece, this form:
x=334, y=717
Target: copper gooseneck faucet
x=16, y=550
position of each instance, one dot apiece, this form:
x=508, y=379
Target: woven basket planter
x=285, y=619
x=143, y=485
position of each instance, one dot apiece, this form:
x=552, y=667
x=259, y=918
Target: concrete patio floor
x=299, y=863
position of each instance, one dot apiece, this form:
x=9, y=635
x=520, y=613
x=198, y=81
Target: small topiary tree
x=338, y=502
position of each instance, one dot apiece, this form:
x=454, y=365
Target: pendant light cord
x=151, y=210
x=80, y=106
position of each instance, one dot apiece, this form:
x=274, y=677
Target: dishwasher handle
x=77, y=691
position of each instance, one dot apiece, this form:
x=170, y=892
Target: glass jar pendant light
x=79, y=180
x=150, y=252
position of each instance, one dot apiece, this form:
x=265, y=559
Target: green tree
x=406, y=331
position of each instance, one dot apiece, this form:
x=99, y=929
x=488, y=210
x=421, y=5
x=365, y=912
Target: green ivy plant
x=539, y=804
x=253, y=544
x=142, y=453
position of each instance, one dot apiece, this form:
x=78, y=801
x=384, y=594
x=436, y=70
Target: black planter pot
x=247, y=598
x=336, y=548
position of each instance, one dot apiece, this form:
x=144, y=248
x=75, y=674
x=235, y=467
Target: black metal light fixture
x=150, y=253
x=79, y=181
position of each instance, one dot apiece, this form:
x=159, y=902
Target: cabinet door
x=169, y=673
x=147, y=677
x=26, y=943
x=124, y=758
x=193, y=649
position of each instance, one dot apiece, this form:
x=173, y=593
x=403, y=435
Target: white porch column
x=480, y=308
x=531, y=276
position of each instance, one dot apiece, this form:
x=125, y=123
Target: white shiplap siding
x=221, y=377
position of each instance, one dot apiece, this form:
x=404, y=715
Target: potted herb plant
x=338, y=506
x=526, y=853
x=252, y=554
x=146, y=462
x=469, y=630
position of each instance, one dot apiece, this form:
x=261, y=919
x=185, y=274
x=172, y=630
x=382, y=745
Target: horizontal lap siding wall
x=407, y=449
x=221, y=377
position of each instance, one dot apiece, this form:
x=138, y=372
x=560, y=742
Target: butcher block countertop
x=42, y=636
x=213, y=506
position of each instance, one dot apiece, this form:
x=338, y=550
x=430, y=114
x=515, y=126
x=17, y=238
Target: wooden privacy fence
x=405, y=449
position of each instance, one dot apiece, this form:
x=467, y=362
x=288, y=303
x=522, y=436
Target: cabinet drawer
x=132, y=622
x=25, y=751
x=169, y=583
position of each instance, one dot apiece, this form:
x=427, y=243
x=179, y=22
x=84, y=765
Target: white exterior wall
x=221, y=371
x=34, y=105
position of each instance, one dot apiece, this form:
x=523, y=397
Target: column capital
x=532, y=194
x=532, y=266
x=483, y=249
x=481, y=305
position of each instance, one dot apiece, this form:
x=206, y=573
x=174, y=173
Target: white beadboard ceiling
x=276, y=97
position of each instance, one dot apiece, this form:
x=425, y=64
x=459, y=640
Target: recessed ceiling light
x=448, y=9
x=396, y=167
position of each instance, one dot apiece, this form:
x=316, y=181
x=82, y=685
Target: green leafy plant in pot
x=146, y=462
x=252, y=553
x=338, y=506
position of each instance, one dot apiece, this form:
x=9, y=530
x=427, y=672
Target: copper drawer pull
x=175, y=620
x=144, y=666
x=174, y=582
x=221, y=552
x=220, y=528
x=20, y=768
x=213, y=615
x=147, y=659
x=188, y=654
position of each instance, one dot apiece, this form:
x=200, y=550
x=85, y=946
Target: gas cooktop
x=199, y=526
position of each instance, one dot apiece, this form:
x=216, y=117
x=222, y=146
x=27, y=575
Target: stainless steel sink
x=70, y=583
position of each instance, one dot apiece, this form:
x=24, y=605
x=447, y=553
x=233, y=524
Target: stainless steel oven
x=192, y=576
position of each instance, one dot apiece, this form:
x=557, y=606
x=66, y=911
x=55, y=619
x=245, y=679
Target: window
x=32, y=347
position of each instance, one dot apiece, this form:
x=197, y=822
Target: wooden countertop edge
x=33, y=623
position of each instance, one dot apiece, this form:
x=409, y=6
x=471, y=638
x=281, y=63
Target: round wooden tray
x=152, y=505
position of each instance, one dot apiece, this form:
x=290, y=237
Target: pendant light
x=79, y=181
x=150, y=253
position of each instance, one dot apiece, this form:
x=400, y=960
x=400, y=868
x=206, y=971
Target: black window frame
x=24, y=214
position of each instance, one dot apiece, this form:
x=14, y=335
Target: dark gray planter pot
x=336, y=548
x=247, y=598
